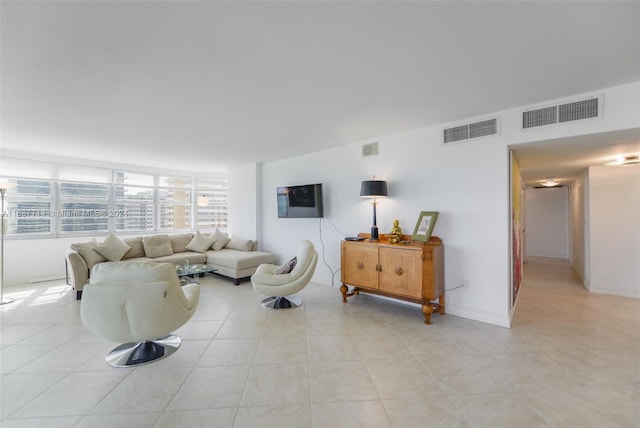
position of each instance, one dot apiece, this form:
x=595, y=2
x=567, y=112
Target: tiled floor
x=571, y=359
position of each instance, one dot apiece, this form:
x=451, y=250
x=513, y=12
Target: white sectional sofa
x=233, y=258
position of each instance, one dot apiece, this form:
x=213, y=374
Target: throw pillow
x=157, y=246
x=220, y=240
x=287, y=267
x=239, y=244
x=179, y=242
x=200, y=243
x=137, y=249
x=88, y=253
x=112, y=249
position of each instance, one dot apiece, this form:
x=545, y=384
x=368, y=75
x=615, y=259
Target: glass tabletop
x=195, y=269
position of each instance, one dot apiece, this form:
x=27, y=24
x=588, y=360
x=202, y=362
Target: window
x=52, y=199
x=83, y=207
x=29, y=207
x=174, y=203
x=134, y=201
x=211, y=207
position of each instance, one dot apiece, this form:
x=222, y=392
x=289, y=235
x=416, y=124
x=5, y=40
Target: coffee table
x=187, y=274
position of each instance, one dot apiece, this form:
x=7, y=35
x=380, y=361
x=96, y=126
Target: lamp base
x=374, y=234
x=6, y=300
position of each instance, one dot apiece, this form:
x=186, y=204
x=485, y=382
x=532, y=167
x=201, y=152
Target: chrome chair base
x=138, y=353
x=281, y=302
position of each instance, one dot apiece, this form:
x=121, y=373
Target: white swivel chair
x=280, y=286
x=139, y=303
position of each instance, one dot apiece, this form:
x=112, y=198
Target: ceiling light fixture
x=549, y=182
x=623, y=160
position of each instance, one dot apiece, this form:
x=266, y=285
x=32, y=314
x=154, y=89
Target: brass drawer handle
x=399, y=271
x=360, y=265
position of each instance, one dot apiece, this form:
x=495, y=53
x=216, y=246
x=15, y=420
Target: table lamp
x=374, y=189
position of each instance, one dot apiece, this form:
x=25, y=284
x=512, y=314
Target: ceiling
x=209, y=85
x=563, y=159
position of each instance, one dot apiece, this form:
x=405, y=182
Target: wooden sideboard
x=411, y=271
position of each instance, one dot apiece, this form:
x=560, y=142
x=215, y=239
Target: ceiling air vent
x=370, y=149
x=586, y=109
x=471, y=130
x=568, y=112
x=540, y=117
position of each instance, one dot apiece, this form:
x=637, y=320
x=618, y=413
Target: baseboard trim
x=501, y=320
x=622, y=293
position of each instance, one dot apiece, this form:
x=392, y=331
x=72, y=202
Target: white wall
x=579, y=220
x=466, y=182
x=614, y=211
x=423, y=175
x=243, y=202
x=547, y=222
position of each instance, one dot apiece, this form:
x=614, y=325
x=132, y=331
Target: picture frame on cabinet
x=424, y=227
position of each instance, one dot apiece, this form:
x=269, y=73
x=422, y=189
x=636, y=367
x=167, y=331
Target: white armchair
x=139, y=303
x=280, y=287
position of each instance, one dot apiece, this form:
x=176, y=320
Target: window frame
x=192, y=187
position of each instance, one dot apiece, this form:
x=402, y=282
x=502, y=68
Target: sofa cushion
x=157, y=246
x=287, y=267
x=137, y=249
x=239, y=244
x=200, y=243
x=236, y=260
x=88, y=253
x=220, y=240
x=181, y=258
x=112, y=249
x=179, y=242
x=138, y=259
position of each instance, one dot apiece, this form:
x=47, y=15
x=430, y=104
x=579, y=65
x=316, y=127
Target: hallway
x=552, y=296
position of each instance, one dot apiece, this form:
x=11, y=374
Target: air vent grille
x=587, y=109
x=456, y=134
x=568, y=112
x=484, y=128
x=540, y=117
x=471, y=130
x=370, y=149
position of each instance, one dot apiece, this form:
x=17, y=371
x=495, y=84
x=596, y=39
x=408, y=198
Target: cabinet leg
x=345, y=292
x=427, y=310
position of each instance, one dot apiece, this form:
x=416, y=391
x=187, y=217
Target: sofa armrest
x=77, y=270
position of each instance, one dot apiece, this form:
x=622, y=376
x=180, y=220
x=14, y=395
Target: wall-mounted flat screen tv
x=300, y=201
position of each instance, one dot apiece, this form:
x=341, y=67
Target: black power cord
x=333, y=272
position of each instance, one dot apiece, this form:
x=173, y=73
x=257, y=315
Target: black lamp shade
x=374, y=188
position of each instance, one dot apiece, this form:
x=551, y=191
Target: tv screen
x=300, y=201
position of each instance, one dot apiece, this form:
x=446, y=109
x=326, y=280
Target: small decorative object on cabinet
x=424, y=226
x=413, y=272
x=395, y=235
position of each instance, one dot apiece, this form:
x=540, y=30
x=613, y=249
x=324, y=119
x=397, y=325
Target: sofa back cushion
x=112, y=249
x=179, y=242
x=220, y=240
x=200, y=243
x=239, y=244
x=137, y=249
x=88, y=253
x=157, y=245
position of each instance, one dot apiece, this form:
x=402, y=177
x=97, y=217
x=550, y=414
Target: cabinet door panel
x=401, y=272
x=359, y=265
